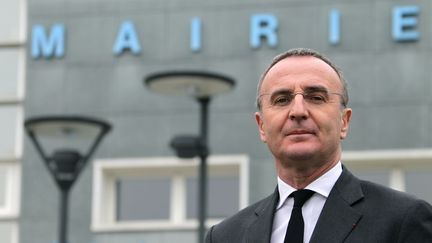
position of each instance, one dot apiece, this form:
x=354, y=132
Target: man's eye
x=316, y=98
x=282, y=100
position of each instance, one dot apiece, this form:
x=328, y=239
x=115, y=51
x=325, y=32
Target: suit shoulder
x=389, y=198
x=247, y=214
x=402, y=215
x=236, y=225
x=377, y=190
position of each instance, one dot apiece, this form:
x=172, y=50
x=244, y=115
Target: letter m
x=48, y=46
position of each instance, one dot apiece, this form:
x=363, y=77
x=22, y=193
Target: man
x=302, y=117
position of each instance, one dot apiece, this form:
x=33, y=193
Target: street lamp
x=65, y=143
x=201, y=86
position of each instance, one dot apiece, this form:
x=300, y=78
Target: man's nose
x=298, y=109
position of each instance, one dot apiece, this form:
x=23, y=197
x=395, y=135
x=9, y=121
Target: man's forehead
x=301, y=63
x=302, y=71
x=311, y=87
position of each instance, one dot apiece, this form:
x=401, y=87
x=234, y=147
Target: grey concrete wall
x=389, y=84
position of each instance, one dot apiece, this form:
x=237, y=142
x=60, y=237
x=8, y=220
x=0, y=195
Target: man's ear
x=346, y=118
x=260, y=123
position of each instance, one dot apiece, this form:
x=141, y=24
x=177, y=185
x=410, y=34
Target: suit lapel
x=260, y=230
x=338, y=218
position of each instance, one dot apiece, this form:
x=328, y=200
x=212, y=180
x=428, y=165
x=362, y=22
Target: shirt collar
x=322, y=185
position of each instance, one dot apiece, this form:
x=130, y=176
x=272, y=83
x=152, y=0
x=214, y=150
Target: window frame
x=396, y=162
x=107, y=171
x=15, y=40
x=10, y=210
x=15, y=155
x=18, y=97
x=20, y=39
x=14, y=229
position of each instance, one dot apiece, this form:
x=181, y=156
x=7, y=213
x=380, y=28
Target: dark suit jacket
x=355, y=211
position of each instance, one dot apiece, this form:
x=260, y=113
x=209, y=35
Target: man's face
x=306, y=127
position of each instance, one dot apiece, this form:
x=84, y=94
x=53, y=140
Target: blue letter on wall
x=195, y=35
x=334, y=27
x=404, y=23
x=48, y=46
x=263, y=26
x=127, y=39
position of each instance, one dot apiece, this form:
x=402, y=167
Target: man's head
x=302, y=115
x=303, y=52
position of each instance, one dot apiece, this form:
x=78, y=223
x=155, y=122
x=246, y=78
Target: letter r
x=263, y=26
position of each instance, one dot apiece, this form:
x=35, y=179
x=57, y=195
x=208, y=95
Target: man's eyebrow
x=278, y=92
x=281, y=91
x=317, y=88
x=307, y=89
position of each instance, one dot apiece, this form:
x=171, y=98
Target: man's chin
x=301, y=157
x=301, y=153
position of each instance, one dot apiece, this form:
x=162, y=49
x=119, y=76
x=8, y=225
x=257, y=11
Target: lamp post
x=201, y=86
x=65, y=143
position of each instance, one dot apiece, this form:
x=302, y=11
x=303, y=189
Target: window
x=143, y=199
x=13, y=20
x=11, y=74
x=9, y=201
x=8, y=232
x=3, y=185
x=219, y=186
x=9, y=185
x=404, y=170
x=161, y=193
x=11, y=131
x=10, y=153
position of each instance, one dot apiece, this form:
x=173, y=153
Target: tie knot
x=301, y=196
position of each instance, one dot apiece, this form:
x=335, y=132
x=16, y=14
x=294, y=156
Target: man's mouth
x=300, y=132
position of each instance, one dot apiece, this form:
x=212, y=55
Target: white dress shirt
x=310, y=210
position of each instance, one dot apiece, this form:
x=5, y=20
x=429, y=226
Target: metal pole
x=202, y=198
x=64, y=198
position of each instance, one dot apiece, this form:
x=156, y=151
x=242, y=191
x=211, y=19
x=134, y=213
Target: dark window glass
x=143, y=199
x=380, y=177
x=223, y=196
x=417, y=183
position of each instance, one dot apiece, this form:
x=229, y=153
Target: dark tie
x=295, y=229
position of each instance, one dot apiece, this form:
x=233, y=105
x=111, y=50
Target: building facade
x=13, y=15
x=91, y=58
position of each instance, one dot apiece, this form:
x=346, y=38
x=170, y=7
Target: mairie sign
x=263, y=30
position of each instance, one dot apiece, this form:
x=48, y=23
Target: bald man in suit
x=303, y=117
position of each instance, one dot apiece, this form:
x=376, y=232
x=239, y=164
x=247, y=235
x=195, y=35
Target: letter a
x=127, y=39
